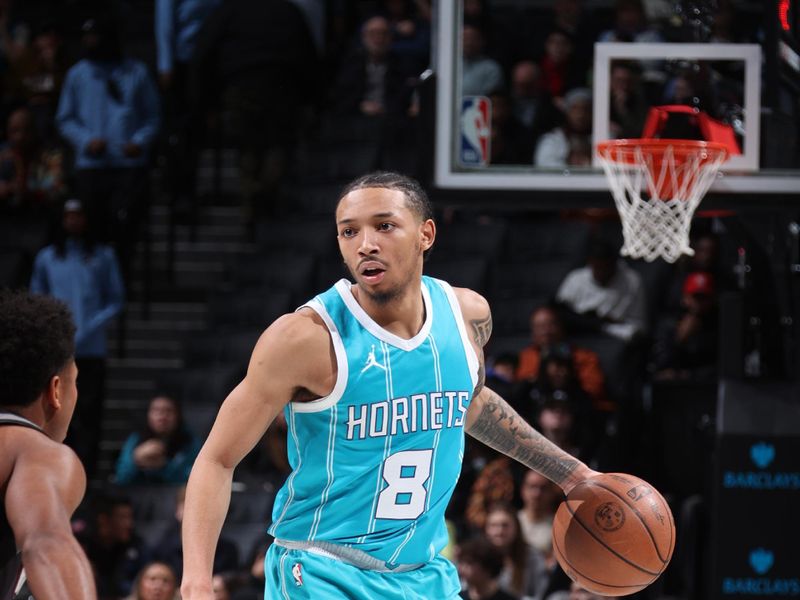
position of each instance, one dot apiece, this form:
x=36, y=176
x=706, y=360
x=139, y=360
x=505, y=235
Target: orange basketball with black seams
x=614, y=534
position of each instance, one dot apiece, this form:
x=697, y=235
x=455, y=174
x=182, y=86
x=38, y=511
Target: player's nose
x=368, y=242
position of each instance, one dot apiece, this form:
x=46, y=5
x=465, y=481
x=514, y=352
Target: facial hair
x=385, y=297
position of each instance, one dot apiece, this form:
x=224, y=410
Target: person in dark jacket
x=256, y=59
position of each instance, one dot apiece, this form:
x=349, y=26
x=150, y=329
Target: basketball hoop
x=657, y=185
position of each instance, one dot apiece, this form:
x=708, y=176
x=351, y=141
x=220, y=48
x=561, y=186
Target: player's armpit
x=492, y=421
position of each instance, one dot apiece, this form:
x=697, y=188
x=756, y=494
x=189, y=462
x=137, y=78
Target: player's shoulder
x=294, y=333
x=473, y=305
x=33, y=447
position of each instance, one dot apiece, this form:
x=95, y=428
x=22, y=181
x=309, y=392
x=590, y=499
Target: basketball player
x=378, y=381
x=42, y=479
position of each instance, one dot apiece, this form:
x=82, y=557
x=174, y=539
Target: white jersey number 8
x=404, y=497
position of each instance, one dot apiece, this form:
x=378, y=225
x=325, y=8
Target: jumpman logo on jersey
x=372, y=361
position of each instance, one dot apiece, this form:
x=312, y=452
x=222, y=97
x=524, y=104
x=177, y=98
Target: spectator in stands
x=14, y=33
x=560, y=69
x=555, y=148
x=372, y=79
x=630, y=25
x=724, y=25
x=547, y=331
x=524, y=572
x=156, y=581
x=706, y=259
x=410, y=22
x=480, y=74
x=557, y=379
x=37, y=75
x=227, y=584
x=531, y=103
x=479, y=566
x=571, y=17
x=31, y=173
x=117, y=553
x=177, y=23
x=162, y=451
x=540, y=500
x=169, y=548
x=498, y=33
x=258, y=58
x=512, y=142
x=500, y=372
x=558, y=422
x=687, y=347
x=85, y=275
x=109, y=113
x=252, y=587
x=493, y=484
x=628, y=108
x=605, y=296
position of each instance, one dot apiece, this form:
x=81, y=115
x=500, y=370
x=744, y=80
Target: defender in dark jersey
x=42, y=480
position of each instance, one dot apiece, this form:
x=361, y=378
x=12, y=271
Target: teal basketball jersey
x=375, y=462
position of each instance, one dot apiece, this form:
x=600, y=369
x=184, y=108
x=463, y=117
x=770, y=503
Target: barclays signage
x=760, y=584
x=762, y=455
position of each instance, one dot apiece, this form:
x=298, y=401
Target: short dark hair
x=417, y=199
x=37, y=340
x=479, y=551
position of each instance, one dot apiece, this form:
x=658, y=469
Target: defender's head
x=36, y=358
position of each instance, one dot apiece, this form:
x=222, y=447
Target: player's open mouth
x=372, y=272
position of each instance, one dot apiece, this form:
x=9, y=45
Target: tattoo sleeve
x=482, y=330
x=493, y=422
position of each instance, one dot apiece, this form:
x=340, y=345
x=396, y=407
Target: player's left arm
x=492, y=421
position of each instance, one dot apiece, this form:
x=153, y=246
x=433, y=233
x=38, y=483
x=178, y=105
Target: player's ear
x=52, y=394
x=427, y=234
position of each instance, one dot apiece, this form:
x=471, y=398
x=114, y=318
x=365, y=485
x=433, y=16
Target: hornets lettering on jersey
x=420, y=412
x=374, y=463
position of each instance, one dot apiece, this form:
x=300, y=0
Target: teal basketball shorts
x=300, y=575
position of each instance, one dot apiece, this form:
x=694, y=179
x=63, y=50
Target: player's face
x=67, y=391
x=382, y=240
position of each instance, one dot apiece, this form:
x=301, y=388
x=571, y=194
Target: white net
x=657, y=186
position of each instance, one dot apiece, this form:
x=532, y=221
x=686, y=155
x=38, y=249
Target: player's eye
x=386, y=226
x=347, y=232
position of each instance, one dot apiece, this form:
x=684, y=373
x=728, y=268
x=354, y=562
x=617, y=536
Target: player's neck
x=403, y=316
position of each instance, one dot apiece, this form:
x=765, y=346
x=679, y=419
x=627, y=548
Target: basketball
x=613, y=534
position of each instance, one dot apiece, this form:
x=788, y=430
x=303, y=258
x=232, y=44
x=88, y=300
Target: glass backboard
x=724, y=79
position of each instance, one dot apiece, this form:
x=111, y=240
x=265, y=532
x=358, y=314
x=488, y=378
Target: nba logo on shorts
x=297, y=573
x=476, y=116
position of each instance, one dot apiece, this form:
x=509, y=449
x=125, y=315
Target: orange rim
x=624, y=150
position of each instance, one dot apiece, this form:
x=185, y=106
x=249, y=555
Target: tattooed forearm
x=497, y=425
x=482, y=330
